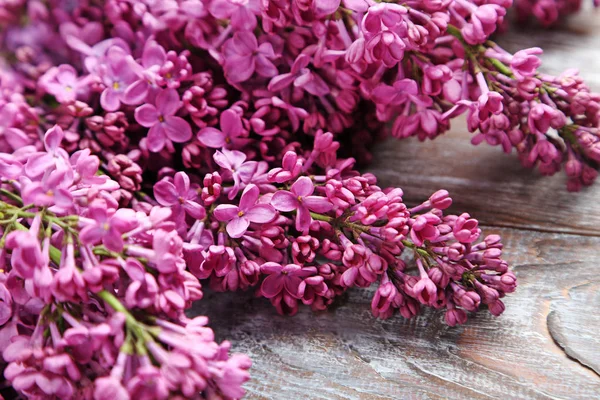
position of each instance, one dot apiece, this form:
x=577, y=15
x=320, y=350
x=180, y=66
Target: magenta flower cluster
x=150, y=147
x=548, y=12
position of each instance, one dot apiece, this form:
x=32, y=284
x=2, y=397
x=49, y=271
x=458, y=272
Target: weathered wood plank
x=485, y=182
x=574, y=324
x=346, y=354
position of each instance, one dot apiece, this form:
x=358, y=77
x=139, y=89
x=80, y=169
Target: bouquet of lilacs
x=151, y=147
x=548, y=12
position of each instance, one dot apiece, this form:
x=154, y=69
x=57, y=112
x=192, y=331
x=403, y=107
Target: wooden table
x=546, y=345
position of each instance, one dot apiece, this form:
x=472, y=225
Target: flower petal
x=211, y=137
x=136, y=93
x=177, y=129
x=226, y=212
x=249, y=197
x=284, y=201
x=38, y=164
x=91, y=234
x=165, y=193
x=349, y=276
x=239, y=68
x=53, y=137
x=109, y=100
x=182, y=183
x=261, y=213
x=247, y=170
x=280, y=82
x=303, y=187
x=246, y=42
x=303, y=219
x=154, y=54
x=113, y=240
x=16, y=138
x=146, y=115
x=167, y=102
x=222, y=160
x=317, y=204
x=264, y=67
x=272, y=285
x=231, y=123
x=237, y=227
x=194, y=209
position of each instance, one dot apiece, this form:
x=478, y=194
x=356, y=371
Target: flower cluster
x=148, y=146
x=93, y=295
x=547, y=12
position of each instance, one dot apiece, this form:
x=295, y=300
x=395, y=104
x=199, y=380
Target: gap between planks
x=539, y=229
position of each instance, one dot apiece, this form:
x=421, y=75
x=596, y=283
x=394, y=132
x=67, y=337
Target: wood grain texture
x=347, y=354
x=574, y=324
x=546, y=344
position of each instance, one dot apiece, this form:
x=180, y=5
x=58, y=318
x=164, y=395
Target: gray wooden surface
x=546, y=344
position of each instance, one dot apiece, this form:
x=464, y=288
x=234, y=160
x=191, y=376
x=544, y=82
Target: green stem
x=339, y=222
x=116, y=305
x=321, y=217
x=454, y=31
x=11, y=196
x=137, y=328
x=499, y=65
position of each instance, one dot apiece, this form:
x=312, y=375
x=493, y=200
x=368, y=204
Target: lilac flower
x=242, y=13
x=234, y=162
x=231, y=128
x=466, y=229
x=284, y=278
x=425, y=228
x=153, y=57
x=160, y=118
x=63, y=83
x=167, y=246
x=243, y=56
x=148, y=383
x=484, y=20
x=300, y=198
x=424, y=290
x=382, y=305
x=5, y=304
x=525, y=63
x=363, y=265
x=51, y=191
x=383, y=43
x=542, y=117
x=302, y=77
x=142, y=293
x=67, y=283
x=235, y=373
x=109, y=388
x=53, y=157
x=239, y=218
x=95, y=55
x=26, y=254
x=179, y=197
x=116, y=75
x=15, y=138
x=107, y=227
x=291, y=166
x=402, y=91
